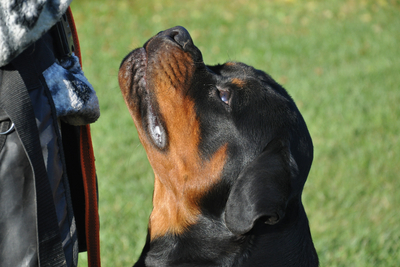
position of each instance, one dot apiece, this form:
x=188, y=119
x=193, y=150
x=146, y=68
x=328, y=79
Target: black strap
x=15, y=100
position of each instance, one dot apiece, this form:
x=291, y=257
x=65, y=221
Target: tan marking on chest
x=177, y=195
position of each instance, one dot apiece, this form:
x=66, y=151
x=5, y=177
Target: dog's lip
x=135, y=65
x=137, y=68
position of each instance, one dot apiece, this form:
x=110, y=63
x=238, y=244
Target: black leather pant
x=17, y=203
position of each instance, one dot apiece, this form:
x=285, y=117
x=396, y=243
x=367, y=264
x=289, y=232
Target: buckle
x=9, y=130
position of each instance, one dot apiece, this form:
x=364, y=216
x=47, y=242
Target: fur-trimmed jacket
x=22, y=22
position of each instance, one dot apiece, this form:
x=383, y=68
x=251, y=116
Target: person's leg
x=18, y=232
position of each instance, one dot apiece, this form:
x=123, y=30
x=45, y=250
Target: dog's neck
x=178, y=188
x=172, y=211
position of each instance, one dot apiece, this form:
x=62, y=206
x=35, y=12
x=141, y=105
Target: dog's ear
x=262, y=189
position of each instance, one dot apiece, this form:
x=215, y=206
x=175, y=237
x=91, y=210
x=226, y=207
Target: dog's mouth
x=133, y=72
x=151, y=118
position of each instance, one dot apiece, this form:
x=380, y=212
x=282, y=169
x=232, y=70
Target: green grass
x=340, y=62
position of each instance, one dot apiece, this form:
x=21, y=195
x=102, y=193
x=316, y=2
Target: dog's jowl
x=230, y=153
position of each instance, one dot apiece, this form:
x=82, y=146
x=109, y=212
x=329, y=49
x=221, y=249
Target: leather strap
x=92, y=224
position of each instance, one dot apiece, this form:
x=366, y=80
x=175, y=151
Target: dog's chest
x=204, y=244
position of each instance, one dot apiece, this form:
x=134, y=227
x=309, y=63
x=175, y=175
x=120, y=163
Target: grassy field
x=340, y=62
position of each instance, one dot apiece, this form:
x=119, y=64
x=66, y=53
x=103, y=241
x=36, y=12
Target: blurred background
x=340, y=62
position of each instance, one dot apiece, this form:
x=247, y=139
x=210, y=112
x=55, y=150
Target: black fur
x=254, y=215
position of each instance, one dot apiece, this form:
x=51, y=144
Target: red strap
x=92, y=224
x=91, y=215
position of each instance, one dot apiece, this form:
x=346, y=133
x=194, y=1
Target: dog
x=230, y=153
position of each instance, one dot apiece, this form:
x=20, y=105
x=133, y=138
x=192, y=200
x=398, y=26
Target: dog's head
x=224, y=140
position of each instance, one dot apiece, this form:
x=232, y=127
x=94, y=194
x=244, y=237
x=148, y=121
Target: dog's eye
x=225, y=95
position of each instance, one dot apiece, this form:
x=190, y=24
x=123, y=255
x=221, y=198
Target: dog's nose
x=179, y=35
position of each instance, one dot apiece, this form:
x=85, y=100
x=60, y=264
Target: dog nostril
x=174, y=35
x=181, y=36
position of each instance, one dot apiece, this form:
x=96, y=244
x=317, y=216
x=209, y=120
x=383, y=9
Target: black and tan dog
x=230, y=153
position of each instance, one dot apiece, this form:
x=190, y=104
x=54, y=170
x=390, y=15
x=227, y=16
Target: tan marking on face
x=182, y=177
x=125, y=78
x=238, y=82
x=125, y=83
